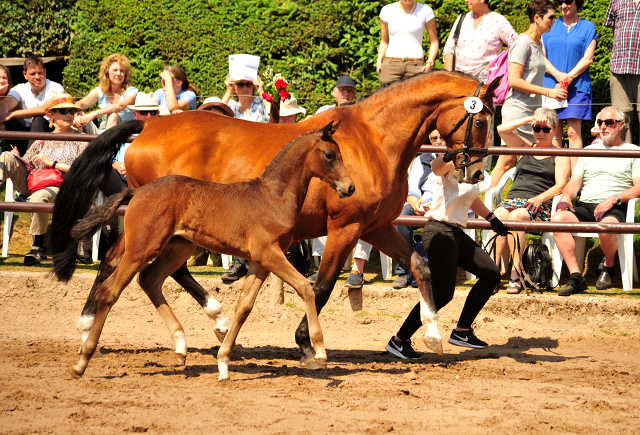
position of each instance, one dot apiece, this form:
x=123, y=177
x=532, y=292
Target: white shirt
x=25, y=98
x=406, y=30
x=451, y=200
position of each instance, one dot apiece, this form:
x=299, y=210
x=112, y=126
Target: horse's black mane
x=404, y=79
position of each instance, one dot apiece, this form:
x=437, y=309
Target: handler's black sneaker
x=402, y=349
x=466, y=339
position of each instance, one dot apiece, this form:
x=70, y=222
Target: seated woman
x=538, y=179
x=248, y=106
x=56, y=154
x=177, y=93
x=113, y=95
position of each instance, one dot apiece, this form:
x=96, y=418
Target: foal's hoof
x=182, y=359
x=76, y=372
x=435, y=344
x=314, y=363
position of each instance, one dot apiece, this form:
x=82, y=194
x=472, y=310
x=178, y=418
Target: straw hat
x=144, y=102
x=216, y=102
x=63, y=101
x=290, y=107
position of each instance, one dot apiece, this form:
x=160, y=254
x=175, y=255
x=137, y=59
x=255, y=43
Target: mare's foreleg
x=252, y=283
x=340, y=243
x=391, y=243
x=174, y=254
x=109, y=264
x=108, y=294
x=209, y=304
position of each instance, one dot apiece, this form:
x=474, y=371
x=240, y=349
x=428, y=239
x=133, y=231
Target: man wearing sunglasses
x=624, y=17
x=607, y=185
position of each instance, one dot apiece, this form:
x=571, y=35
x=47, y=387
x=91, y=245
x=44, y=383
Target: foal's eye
x=480, y=123
x=329, y=154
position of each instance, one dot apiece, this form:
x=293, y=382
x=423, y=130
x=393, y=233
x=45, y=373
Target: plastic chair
x=8, y=219
x=628, y=268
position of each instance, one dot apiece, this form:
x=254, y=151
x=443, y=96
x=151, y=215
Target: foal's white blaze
x=215, y=310
x=432, y=338
x=84, y=326
x=223, y=368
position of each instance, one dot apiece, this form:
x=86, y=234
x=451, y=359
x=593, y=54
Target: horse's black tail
x=64, y=263
x=81, y=184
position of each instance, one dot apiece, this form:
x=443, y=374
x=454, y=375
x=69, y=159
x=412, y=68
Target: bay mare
x=167, y=218
x=379, y=137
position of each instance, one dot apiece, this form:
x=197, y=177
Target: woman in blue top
x=177, y=93
x=569, y=48
x=113, y=95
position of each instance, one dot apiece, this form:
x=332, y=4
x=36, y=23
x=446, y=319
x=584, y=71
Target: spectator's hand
x=563, y=205
x=229, y=83
x=78, y=120
x=378, y=66
x=427, y=66
x=558, y=94
x=167, y=79
x=604, y=207
x=41, y=158
x=177, y=111
x=82, y=120
x=539, y=119
x=15, y=151
x=498, y=227
x=418, y=205
x=119, y=166
x=260, y=84
x=533, y=204
x=563, y=77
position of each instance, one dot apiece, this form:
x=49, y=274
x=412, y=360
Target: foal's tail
x=81, y=184
x=64, y=263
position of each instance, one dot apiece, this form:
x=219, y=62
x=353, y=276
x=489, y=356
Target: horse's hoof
x=76, y=372
x=435, y=344
x=223, y=379
x=314, y=363
x=182, y=359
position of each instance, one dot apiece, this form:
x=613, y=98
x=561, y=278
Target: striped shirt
x=624, y=17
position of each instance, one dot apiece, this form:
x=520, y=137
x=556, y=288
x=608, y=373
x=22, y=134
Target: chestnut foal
x=167, y=218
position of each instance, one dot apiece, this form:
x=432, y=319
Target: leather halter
x=465, y=150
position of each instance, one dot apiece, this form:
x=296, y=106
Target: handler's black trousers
x=447, y=248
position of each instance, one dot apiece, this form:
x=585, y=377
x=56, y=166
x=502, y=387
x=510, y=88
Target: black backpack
x=538, y=267
x=298, y=256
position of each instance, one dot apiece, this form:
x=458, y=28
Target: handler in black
x=447, y=248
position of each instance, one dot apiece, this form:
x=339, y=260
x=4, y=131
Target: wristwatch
x=619, y=201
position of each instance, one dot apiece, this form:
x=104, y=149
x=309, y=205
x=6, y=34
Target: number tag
x=473, y=105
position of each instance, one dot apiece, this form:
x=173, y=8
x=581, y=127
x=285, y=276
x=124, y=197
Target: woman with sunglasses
x=113, y=95
x=537, y=180
x=569, y=48
x=56, y=154
x=248, y=106
x=526, y=77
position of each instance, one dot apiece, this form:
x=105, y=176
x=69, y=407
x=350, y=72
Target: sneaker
x=312, y=278
x=466, y=339
x=355, y=280
x=401, y=282
x=572, y=287
x=35, y=256
x=402, y=349
x=236, y=271
x=604, y=281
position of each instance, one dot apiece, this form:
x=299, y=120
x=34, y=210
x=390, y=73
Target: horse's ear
x=494, y=85
x=329, y=130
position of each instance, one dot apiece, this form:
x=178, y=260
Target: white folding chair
x=628, y=268
x=8, y=217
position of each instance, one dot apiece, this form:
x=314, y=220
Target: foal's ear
x=330, y=129
x=494, y=84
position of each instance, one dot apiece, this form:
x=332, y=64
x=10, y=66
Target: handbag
x=39, y=179
x=456, y=35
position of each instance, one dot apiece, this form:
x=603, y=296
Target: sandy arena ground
x=555, y=365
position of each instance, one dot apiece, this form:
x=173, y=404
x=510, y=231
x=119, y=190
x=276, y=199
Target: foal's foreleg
x=109, y=264
x=209, y=304
x=391, y=243
x=175, y=253
x=252, y=283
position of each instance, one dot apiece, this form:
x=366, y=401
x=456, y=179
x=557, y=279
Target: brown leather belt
x=403, y=58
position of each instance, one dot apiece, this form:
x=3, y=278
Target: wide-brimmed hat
x=290, y=107
x=63, y=101
x=216, y=102
x=144, y=102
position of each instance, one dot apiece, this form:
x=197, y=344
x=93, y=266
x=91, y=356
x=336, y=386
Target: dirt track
x=554, y=365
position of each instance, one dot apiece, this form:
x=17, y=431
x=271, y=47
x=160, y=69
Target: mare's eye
x=329, y=154
x=480, y=123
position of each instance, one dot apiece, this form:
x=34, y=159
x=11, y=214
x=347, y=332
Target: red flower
x=284, y=95
x=280, y=85
x=267, y=97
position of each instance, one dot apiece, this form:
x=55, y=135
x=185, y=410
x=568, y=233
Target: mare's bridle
x=466, y=150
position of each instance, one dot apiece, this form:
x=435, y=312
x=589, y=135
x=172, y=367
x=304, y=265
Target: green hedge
x=309, y=42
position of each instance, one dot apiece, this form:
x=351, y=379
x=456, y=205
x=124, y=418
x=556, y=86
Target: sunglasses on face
x=66, y=111
x=566, y=2
x=148, y=112
x=244, y=84
x=544, y=129
x=607, y=122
